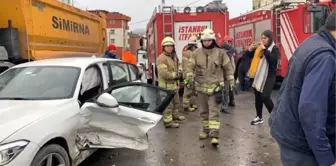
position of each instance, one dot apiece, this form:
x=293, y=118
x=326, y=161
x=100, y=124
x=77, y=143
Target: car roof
x=81, y=62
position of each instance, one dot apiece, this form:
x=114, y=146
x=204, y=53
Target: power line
x=193, y=2
x=138, y=22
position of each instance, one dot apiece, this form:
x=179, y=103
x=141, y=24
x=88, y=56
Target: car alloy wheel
x=52, y=159
x=51, y=155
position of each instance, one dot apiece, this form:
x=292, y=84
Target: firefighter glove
x=219, y=88
x=178, y=76
x=188, y=83
x=233, y=89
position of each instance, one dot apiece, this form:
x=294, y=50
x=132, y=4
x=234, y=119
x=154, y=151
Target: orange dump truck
x=40, y=29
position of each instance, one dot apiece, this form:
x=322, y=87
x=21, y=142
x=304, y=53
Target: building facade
x=117, y=30
x=134, y=42
x=260, y=3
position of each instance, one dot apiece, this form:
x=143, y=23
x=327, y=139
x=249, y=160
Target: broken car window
x=140, y=97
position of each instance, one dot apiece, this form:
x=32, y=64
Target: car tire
x=57, y=151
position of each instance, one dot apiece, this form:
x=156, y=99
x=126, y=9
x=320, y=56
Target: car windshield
x=38, y=83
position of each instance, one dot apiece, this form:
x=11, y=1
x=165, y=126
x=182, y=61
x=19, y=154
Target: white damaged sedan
x=59, y=111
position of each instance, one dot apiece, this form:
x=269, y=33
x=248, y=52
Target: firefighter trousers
x=189, y=97
x=172, y=111
x=210, y=113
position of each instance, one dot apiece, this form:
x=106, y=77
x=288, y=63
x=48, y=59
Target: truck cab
x=315, y=15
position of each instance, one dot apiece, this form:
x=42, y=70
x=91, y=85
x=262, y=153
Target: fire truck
x=291, y=21
x=180, y=24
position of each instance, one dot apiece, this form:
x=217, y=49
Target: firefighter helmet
x=168, y=41
x=192, y=40
x=227, y=38
x=208, y=34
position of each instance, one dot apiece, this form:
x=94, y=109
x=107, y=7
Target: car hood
x=16, y=114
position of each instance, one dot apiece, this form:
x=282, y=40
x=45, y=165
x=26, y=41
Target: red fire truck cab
x=291, y=23
x=181, y=24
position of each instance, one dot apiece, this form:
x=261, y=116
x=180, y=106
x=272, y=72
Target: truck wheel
x=51, y=153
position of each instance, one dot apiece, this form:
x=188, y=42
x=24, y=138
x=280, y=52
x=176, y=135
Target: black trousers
x=243, y=82
x=231, y=96
x=265, y=96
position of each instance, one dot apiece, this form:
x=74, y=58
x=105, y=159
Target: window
x=106, y=70
x=146, y=98
x=112, y=31
x=111, y=21
x=39, y=83
x=119, y=73
x=123, y=23
x=133, y=72
x=112, y=41
x=92, y=84
x=314, y=18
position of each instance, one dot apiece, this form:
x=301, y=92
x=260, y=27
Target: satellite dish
x=187, y=9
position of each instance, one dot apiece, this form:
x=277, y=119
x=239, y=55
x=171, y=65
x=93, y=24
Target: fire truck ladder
x=277, y=26
x=284, y=4
x=167, y=18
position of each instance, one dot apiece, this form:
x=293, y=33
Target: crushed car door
x=119, y=119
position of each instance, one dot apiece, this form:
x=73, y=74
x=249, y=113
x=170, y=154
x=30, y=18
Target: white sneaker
x=257, y=120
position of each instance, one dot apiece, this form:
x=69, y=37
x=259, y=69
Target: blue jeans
x=290, y=157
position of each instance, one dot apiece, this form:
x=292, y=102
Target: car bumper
x=26, y=156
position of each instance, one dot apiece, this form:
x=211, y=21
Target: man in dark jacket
x=243, y=66
x=231, y=52
x=111, y=52
x=303, y=120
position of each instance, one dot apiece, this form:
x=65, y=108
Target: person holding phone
x=263, y=70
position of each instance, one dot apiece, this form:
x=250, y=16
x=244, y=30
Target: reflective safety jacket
x=167, y=68
x=185, y=60
x=207, y=67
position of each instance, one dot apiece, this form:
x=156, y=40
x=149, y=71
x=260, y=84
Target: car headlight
x=9, y=151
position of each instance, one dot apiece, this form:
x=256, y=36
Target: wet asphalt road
x=240, y=145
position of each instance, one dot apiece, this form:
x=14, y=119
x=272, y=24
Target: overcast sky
x=142, y=10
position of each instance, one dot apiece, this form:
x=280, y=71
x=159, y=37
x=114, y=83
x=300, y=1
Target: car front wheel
x=51, y=155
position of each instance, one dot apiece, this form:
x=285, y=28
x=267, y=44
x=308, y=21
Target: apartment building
x=134, y=41
x=117, y=30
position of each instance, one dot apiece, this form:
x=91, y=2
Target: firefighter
x=189, y=95
x=231, y=52
x=168, y=77
x=207, y=67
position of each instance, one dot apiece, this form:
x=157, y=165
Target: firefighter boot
x=215, y=142
x=179, y=118
x=232, y=103
x=189, y=109
x=172, y=125
x=194, y=106
x=203, y=135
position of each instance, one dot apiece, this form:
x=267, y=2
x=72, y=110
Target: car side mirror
x=107, y=100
